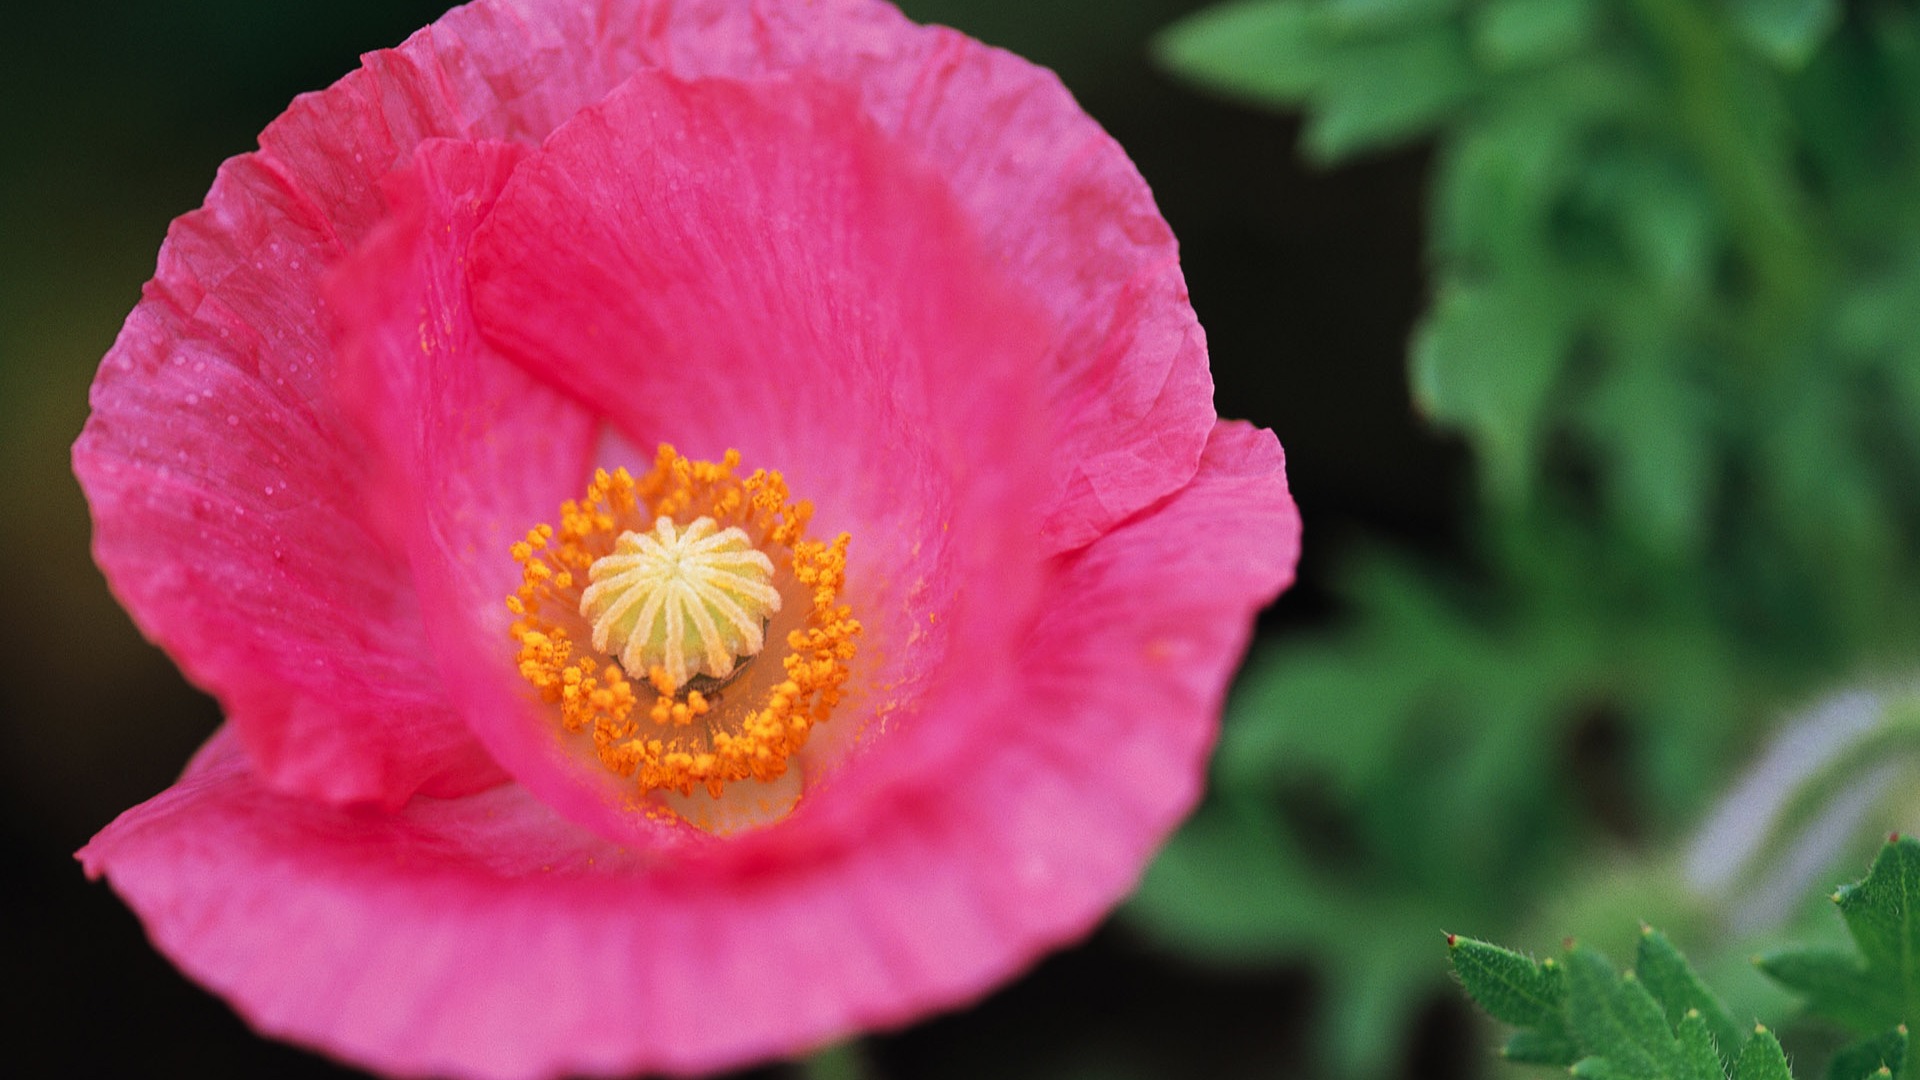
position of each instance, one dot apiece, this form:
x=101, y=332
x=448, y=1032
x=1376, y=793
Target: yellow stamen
x=620, y=608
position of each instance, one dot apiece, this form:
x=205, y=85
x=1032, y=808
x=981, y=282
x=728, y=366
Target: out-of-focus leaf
x=1279, y=722
x=1536, y=1048
x=1651, y=423
x=1837, y=985
x=1882, y=1055
x=1388, y=91
x=1423, y=746
x=1617, y=179
x=1665, y=221
x=1786, y=31
x=1269, y=51
x=1375, y=71
x=1486, y=360
x=1375, y=16
x=1516, y=33
x=1232, y=888
x=1497, y=187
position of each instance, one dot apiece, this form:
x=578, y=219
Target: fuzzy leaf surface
x=1684, y=997
x=1880, y=988
x=1578, y=1011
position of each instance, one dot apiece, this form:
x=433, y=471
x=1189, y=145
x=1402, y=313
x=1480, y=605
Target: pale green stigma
x=686, y=602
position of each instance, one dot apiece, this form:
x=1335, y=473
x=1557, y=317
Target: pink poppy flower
x=708, y=525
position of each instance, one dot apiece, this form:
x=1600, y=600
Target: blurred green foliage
x=1674, y=249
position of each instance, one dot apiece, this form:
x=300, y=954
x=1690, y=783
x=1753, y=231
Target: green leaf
x=1836, y=985
x=1581, y=1013
x=1883, y=914
x=1880, y=989
x=1668, y=977
x=1699, y=1052
x=1275, y=720
x=1618, y=1021
x=1664, y=220
x=1388, y=91
x=1763, y=1059
x=1651, y=427
x=1269, y=51
x=1513, y=988
x=1227, y=890
x=1487, y=360
x=1428, y=743
x=1373, y=16
x=1515, y=33
x=1788, y=32
x=1540, y=1048
x=1884, y=1053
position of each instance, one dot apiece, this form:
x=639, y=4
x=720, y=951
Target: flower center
x=637, y=629
x=688, y=601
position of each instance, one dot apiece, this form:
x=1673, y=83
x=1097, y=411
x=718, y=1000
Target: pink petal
x=1148, y=623
x=719, y=264
x=1064, y=216
x=485, y=936
x=225, y=484
x=1069, y=782
x=471, y=451
x=1062, y=212
x=1069, y=221
x=319, y=669
x=223, y=489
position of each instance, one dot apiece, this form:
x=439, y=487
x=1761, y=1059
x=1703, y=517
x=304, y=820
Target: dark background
x=117, y=115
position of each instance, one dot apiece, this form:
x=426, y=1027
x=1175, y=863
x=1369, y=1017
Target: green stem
x=1749, y=169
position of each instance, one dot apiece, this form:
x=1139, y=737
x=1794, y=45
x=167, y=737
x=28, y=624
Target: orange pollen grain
x=669, y=737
